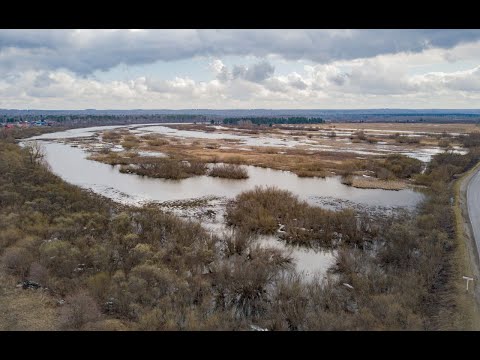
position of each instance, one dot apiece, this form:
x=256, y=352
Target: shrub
x=129, y=144
x=403, y=139
x=347, y=180
x=165, y=168
x=60, y=257
x=17, y=260
x=402, y=166
x=264, y=210
x=80, y=308
x=38, y=273
x=444, y=143
x=311, y=173
x=158, y=142
x=360, y=135
x=98, y=285
x=229, y=171
x=111, y=136
x=9, y=236
x=471, y=140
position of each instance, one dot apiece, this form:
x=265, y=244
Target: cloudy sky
x=242, y=69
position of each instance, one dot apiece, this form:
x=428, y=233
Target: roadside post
x=468, y=280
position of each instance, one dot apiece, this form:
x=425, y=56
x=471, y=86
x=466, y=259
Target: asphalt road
x=473, y=203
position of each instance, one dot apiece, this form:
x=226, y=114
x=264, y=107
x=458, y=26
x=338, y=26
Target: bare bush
x=16, y=260
x=158, y=142
x=80, y=308
x=444, y=143
x=229, y=171
x=38, y=273
x=165, y=168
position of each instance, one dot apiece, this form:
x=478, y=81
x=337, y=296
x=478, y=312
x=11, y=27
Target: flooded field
x=72, y=165
x=320, y=140
x=203, y=198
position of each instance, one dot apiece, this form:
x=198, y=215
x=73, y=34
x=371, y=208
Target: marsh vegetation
x=98, y=265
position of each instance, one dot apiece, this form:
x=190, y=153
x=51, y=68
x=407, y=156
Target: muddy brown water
x=71, y=164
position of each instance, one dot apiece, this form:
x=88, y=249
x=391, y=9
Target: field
x=417, y=127
x=360, y=152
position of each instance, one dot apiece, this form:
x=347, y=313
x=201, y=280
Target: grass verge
x=465, y=261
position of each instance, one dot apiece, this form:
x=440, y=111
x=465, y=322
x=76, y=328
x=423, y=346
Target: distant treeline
x=91, y=120
x=378, y=118
x=270, y=120
x=97, y=119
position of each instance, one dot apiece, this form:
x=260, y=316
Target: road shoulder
x=467, y=259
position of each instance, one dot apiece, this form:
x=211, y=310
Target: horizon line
x=239, y=109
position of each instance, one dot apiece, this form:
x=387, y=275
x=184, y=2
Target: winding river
x=71, y=164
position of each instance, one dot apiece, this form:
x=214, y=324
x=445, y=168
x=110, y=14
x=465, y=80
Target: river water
x=71, y=164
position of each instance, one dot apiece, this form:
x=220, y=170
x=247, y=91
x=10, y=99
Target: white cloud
x=84, y=51
x=366, y=85
x=51, y=69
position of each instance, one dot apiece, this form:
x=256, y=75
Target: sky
x=239, y=69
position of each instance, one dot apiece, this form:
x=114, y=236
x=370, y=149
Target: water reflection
x=71, y=164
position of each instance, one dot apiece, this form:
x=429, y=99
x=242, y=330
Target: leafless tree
x=36, y=152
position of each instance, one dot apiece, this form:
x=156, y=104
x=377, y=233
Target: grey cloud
x=223, y=75
x=85, y=51
x=275, y=85
x=374, y=77
x=40, y=38
x=299, y=84
x=278, y=86
x=339, y=79
x=43, y=80
x=450, y=57
x=463, y=81
x=239, y=71
x=160, y=86
x=259, y=72
x=255, y=73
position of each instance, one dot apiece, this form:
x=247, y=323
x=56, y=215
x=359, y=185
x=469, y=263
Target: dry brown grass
x=129, y=144
x=165, y=168
x=229, y=171
x=194, y=127
x=301, y=161
x=111, y=136
x=295, y=160
x=312, y=173
x=373, y=183
x=158, y=142
x=113, y=158
x=25, y=309
x=455, y=128
x=465, y=260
